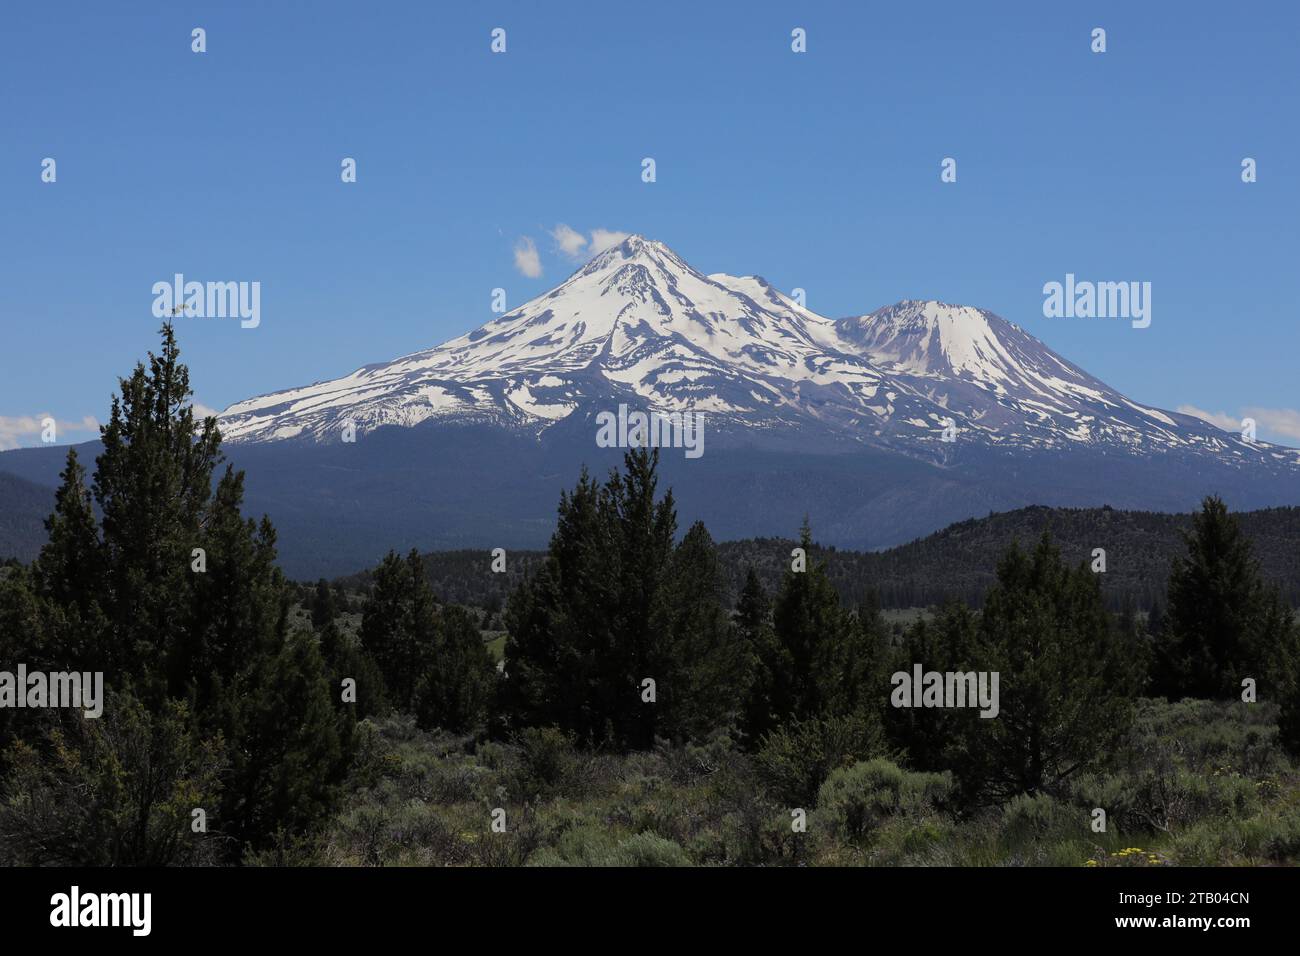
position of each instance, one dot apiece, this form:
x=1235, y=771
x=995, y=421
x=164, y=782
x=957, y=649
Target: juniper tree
x=152, y=482
x=212, y=630
x=611, y=607
x=1067, y=677
x=948, y=642
x=817, y=638
x=71, y=563
x=398, y=625
x=705, y=672
x=1223, y=622
x=766, y=657
x=459, y=680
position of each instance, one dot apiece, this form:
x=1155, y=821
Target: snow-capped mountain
x=637, y=324
x=842, y=423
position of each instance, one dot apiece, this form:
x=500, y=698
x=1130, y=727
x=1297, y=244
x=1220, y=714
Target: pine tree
x=1067, y=679
x=948, y=642
x=399, y=625
x=707, y=672
x=457, y=688
x=604, y=613
x=765, y=656
x=1223, y=622
x=643, y=529
x=71, y=564
x=815, y=633
x=286, y=774
x=177, y=598
x=152, y=482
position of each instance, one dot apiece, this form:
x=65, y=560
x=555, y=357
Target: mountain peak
x=635, y=249
x=637, y=325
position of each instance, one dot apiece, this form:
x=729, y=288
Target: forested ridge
x=956, y=563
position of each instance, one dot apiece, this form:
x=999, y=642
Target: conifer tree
x=707, y=673
x=611, y=608
x=1223, y=623
x=766, y=657
x=71, y=563
x=457, y=687
x=1067, y=679
x=399, y=624
x=816, y=633
x=948, y=642
x=176, y=597
x=324, y=608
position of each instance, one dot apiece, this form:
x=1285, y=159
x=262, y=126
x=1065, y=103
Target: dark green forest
x=958, y=563
x=638, y=694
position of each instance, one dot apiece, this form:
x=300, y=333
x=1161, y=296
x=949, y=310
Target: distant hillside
x=25, y=506
x=958, y=562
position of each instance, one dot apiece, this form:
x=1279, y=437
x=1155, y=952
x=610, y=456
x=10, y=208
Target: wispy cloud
x=19, y=430
x=602, y=239
x=527, y=261
x=568, y=240
x=1282, y=422
x=1223, y=420
x=574, y=245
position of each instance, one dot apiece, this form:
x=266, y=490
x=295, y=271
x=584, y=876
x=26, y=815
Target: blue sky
x=816, y=170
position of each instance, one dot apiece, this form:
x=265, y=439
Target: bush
x=548, y=758
x=647, y=849
x=795, y=760
x=855, y=800
x=1040, y=818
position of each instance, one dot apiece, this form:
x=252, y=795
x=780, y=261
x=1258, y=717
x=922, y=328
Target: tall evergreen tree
x=817, y=637
x=1223, y=622
x=1067, y=678
x=399, y=625
x=71, y=563
x=766, y=658
x=176, y=597
x=931, y=736
x=152, y=483
x=456, y=689
x=324, y=608
x=706, y=672
x=611, y=608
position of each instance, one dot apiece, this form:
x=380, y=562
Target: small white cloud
x=1279, y=421
x=569, y=240
x=602, y=239
x=527, y=261
x=17, y=430
x=1283, y=422
x=1219, y=419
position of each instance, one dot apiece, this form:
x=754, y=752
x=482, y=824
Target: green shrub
x=647, y=849
x=593, y=846
x=548, y=757
x=795, y=760
x=855, y=800
x=1041, y=818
